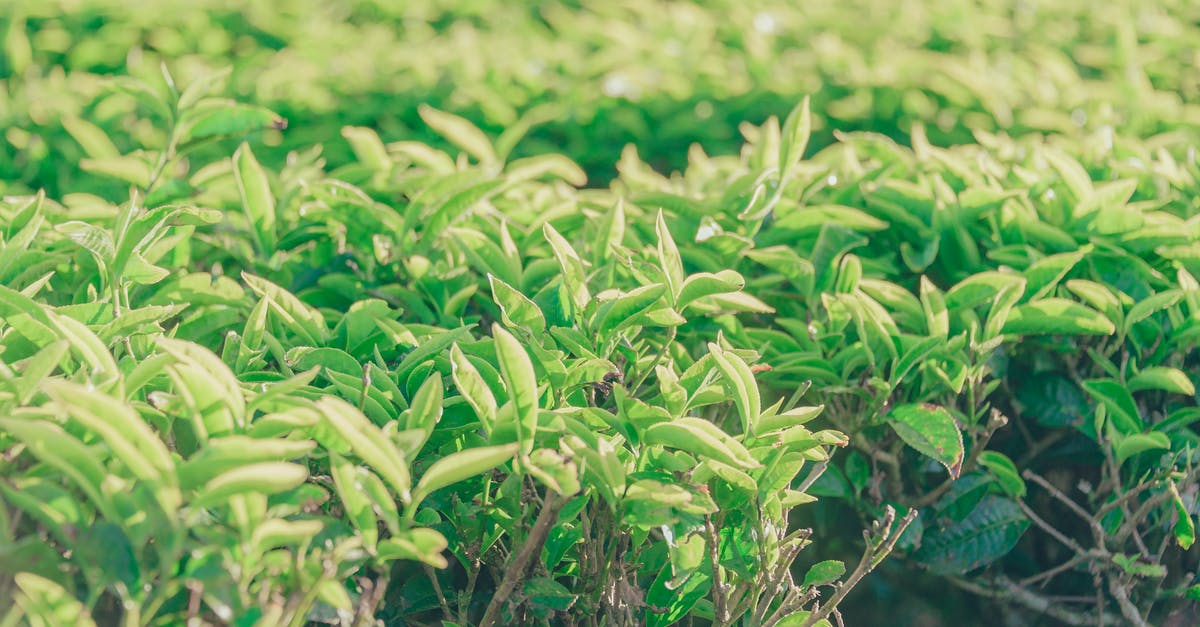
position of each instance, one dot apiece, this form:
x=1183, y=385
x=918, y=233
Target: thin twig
x=1093, y=524
x=872, y=555
x=437, y=590
x=1128, y=609
x=1050, y=529
x=1046, y=576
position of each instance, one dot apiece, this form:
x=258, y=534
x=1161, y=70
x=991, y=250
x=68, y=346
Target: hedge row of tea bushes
x=286, y=340
x=591, y=76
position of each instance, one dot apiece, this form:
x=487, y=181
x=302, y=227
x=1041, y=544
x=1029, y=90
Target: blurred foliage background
x=596, y=75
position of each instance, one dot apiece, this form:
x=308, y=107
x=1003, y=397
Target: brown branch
x=1004, y=589
x=720, y=611
x=437, y=589
x=520, y=563
x=372, y=595
x=1128, y=609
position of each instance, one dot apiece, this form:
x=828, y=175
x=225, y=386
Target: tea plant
x=941, y=299
x=360, y=313
x=189, y=440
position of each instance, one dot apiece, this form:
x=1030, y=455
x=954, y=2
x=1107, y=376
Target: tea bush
x=339, y=313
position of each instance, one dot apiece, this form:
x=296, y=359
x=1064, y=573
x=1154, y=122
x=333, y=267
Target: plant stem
x=520, y=563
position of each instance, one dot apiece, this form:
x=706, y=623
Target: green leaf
x=799, y=619
x=221, y=118
x=38, y=368
x=932, y=432
x=1147, y=307
x=1099, y=296
x=108, y=549
x=473, y=388
x=1072, y=173
x=129, y=437
x=460, y=132
x=423, y=545
x=1057, y=315
x=548, y=593
x=1162, y=378
x=624, y=310
x=461, y=466
x=519, y=378
x=988, y=533
x=796, y=131
x=211, y=387
x=574, y=275
x=668, y=257
x=1005, y=471
x=703, y=284
x=1135, y=443
x=611, y=232
x=275, y=532
x=1116, y=398
x=355, y=501
x=129, y=168
x=368, y=443
x=53, y=446
x=740, y=380
x=299, y=317
x=426, y=408
x=91, y=138
x=368, y=148
x=701, y=438
x=334, y=359
x=222, y=454
x=1185, y=527
x=1133, y=566
x=1044, y=275
x=559, y=166
x=554, y=471
x=823, y=573
x=261, y=478
x=937, y=320
x=257, y=200
x=91, y=238
x=979, y=288
x=46, y=604
x=429, y=347
x=515, y=308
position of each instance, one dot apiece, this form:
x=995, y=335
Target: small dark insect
x=603, y=388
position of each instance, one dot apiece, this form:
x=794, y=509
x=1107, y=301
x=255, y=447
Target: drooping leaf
x=459, y=466
x=1057, y=315
x=1135, y=443
x=1122, y=410
x=988, y=533
x=930, y=430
